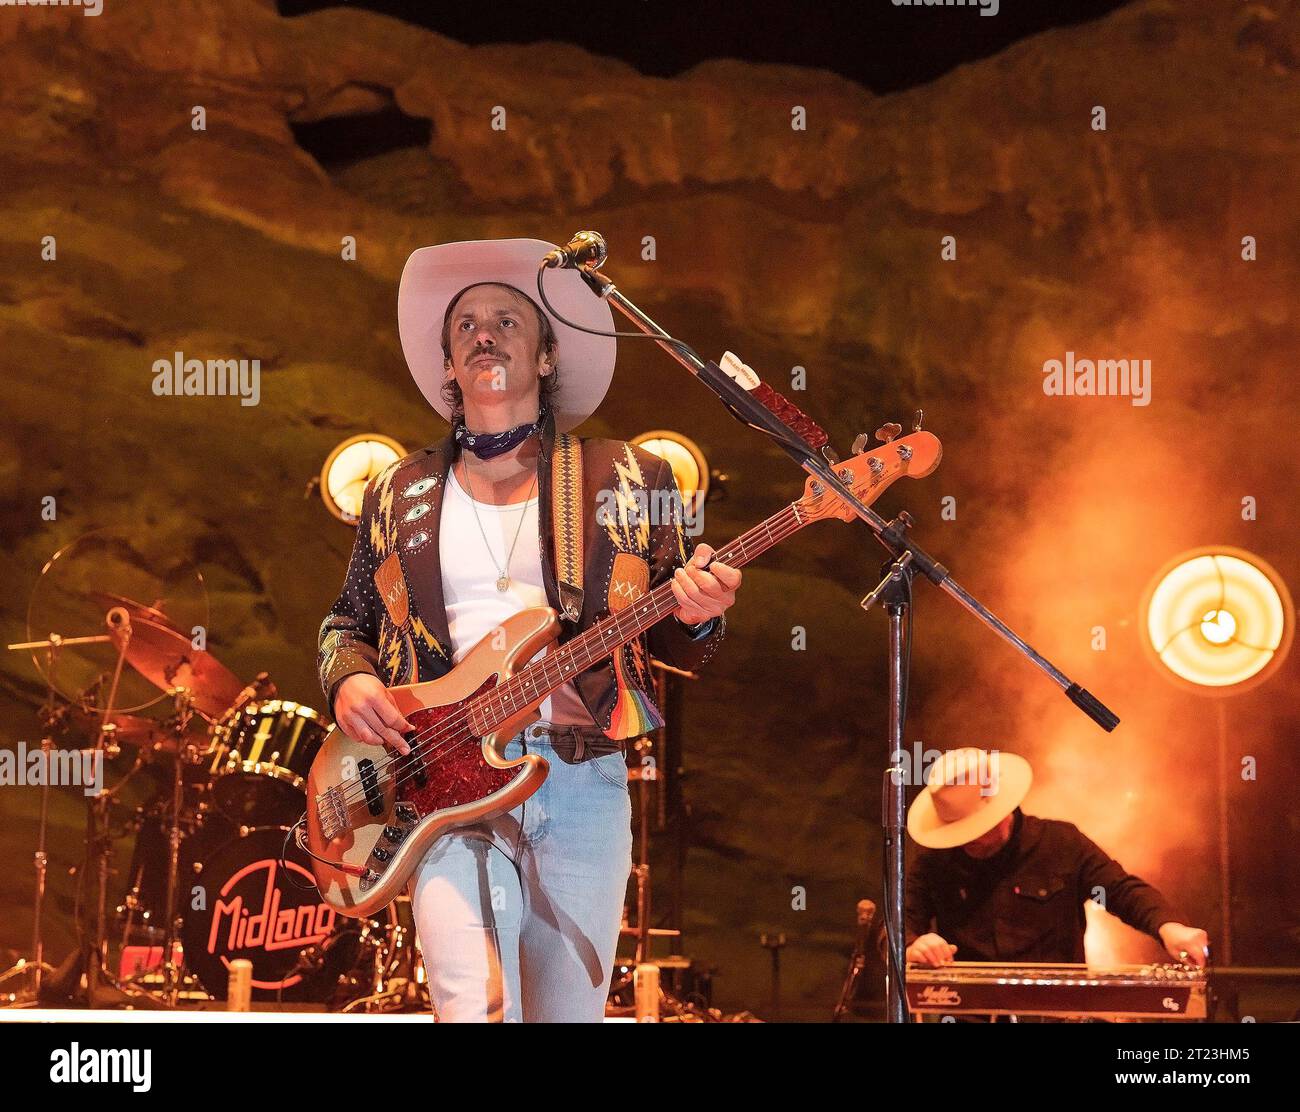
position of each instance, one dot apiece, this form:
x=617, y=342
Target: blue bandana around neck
x=485, y=445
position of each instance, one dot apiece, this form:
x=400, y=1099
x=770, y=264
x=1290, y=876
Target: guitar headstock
x=870, y=474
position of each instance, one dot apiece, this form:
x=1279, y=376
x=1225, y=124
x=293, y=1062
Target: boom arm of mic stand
x=736, y=398
x=752, y=412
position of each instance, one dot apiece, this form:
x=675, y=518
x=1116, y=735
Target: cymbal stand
x=37, y=967
x=99, y=841
x=171, y=971
x=644, y=773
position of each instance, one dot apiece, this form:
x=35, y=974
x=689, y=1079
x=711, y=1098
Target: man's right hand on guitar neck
x=365, y=711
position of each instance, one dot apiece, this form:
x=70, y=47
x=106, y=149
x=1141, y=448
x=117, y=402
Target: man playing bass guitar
x=518, y=916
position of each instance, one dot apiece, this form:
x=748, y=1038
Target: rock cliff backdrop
x=820, y=248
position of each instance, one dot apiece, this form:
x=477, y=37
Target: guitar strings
x=648, y=604
x=414, y=762
x=354, y=789
x=452, y=722
x=416, y=767
x=422, y=750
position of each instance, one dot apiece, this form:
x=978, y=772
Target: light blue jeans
x=518, y=917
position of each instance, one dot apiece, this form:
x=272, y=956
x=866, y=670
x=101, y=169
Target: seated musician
x=994, y=884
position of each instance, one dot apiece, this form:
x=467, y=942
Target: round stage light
x=350, y=466
x=1218, y=619
x=1218, y=626
x=690, y=467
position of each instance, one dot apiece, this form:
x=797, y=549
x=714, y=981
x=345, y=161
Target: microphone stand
x=866, y=913
x=895, y=590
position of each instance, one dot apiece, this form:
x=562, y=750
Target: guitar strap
x=566, y=516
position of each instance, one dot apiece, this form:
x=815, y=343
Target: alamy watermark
x=181, y=377
x=1099, y=378
x=654, y=507
x=88, y=7
x=986, y=7
x=913, y=768
x=60, y=768
x=89, y=1065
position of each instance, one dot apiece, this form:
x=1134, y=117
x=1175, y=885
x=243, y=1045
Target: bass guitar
x=372, y=814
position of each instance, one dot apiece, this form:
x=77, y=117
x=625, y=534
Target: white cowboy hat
x=967, y=793
x=434, y=275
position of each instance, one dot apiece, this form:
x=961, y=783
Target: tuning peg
x=860, y=443
x=832, y=456
x=886, y=433
x=916, y=422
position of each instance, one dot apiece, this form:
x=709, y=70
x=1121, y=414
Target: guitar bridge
x=332, y=813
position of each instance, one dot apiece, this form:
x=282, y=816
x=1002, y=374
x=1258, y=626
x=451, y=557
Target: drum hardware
x=135, y=730
x=162, y=655
x=98, y=831
x=107, y=600
x=100, y=848
x=98, y=842
x=676, y=970
x=111, y=729
x=37, y=967
x=98, y=712
x=391, y=964
x=170, y=968
x=222, y=800
x=159, y=986
x=259, y=902
x=141, y=911
x=260, y=758
x=166, y=657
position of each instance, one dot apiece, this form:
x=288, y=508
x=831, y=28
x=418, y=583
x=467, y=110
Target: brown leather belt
x=573, y=744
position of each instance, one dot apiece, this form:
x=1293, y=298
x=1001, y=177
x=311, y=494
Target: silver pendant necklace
x=503, y=574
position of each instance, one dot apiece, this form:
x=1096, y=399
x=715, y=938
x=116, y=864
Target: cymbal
x=130, y=729
x=167, y=659
x=150, y=573
x=135, y=730
x=107, y=599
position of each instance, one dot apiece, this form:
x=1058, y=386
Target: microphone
x=866, y=917
x=586, y=250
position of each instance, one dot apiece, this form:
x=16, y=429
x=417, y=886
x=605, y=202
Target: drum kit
x=206, y=792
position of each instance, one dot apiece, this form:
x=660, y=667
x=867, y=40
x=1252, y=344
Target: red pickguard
x=455, y=771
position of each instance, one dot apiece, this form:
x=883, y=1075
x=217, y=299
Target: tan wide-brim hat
x=434, y=275
x=967, y=793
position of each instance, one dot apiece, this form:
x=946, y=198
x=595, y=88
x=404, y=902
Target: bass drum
x=143, y=910
x=244, y=902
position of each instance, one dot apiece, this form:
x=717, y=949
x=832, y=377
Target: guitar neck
x=557, y=667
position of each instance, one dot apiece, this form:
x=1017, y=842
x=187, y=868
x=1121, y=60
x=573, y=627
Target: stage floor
x=213, y=1015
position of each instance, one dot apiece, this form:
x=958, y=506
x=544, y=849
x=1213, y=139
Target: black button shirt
x=1025, y=903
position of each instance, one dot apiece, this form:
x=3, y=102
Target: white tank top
x=469, y=580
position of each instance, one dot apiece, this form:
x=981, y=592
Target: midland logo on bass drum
x=251, y=918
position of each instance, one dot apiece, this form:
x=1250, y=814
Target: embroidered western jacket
x=390, y=618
